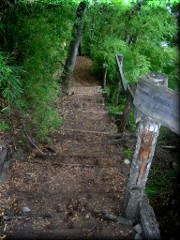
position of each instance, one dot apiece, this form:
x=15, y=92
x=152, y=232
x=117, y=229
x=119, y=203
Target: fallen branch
x=111, y=217
x=98, y=132
x=75, y=164
x=31, y=141
x=169, y=147
x=113, y=142
x=3, y=155
x=100, y=155
x=6, y=218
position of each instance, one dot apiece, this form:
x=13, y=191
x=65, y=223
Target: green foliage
x=160, y=180
x=145, y=37
x=150, y=27
x=39, y=35
x=165, y=134
x=4, y=126
x=132, y=123
x=106, y=91
x=104, y=52
x=10, y=85
x=114, y=109
x=128, y=152
x=42, y=40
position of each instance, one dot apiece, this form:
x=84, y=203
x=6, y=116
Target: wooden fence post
x=126, y=113
x=148, y=132
x=3, y=155
x=128, y=107
x=119, y=61
x=118, y=84
x=105, y=66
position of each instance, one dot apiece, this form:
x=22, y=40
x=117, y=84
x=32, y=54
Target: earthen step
x=86, y=90
x=113, y=134
x=89, y=233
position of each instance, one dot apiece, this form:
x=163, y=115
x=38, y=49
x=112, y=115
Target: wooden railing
x=155, y=104
x=152, y=97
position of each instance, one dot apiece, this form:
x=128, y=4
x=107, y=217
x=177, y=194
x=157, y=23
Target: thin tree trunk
x=93, y=18
x=130, y=38
x=105, y=66
x=74, y=44
x=126, y=113
x=80, y=49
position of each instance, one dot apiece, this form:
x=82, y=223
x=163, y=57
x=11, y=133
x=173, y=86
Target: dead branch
x=31, y=141
x=169, y=147
x=3, y=155
x=100, y=155
x=98, y=132
x=6, y=218
x=114, y=218
x=75, y=164
x=113, y=142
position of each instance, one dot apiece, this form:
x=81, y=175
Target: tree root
x=114, y=218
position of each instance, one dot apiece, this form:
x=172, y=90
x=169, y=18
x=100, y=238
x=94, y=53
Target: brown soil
x=82, y=174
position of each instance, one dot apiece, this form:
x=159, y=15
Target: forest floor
x=81, y=178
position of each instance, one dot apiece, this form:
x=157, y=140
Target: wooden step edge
x=98, y=132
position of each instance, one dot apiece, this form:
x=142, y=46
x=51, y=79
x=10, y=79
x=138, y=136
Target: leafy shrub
x=160, y=180
x=10, y=85
x=151, y=32
x=4, y=126
x=39, y=35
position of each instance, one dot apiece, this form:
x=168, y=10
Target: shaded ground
x=81, y=176
x=166, y=201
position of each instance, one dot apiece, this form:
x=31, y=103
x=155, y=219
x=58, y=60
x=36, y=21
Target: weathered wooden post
x=119, y=61
x=128, y=107
x=129, y=91
x=3, y=155
x=126, y=113
x=77, y=30
x=148, y=132
x=105, y=66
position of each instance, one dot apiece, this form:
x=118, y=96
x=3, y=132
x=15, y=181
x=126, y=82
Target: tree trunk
x=126, y=113
x=93, y=18
x=130, y=38
x=80, y=49
x=74, y=44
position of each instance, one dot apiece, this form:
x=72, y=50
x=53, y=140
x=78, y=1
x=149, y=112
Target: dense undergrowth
x=34, y=40
x=34, y=43
x=146, y=37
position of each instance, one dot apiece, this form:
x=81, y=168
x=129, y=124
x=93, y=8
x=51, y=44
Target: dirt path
x=68, y=191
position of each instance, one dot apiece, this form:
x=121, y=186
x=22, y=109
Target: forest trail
x=83, y=178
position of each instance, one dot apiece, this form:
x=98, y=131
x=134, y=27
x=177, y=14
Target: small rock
x=98, y=87
x=177, y=224
x=174, y=165
x=47, y=216
x=138, y=228
x=76, y=105
x=138, y=237
x=87, y=216
x=126, y=161
x=26, y=210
